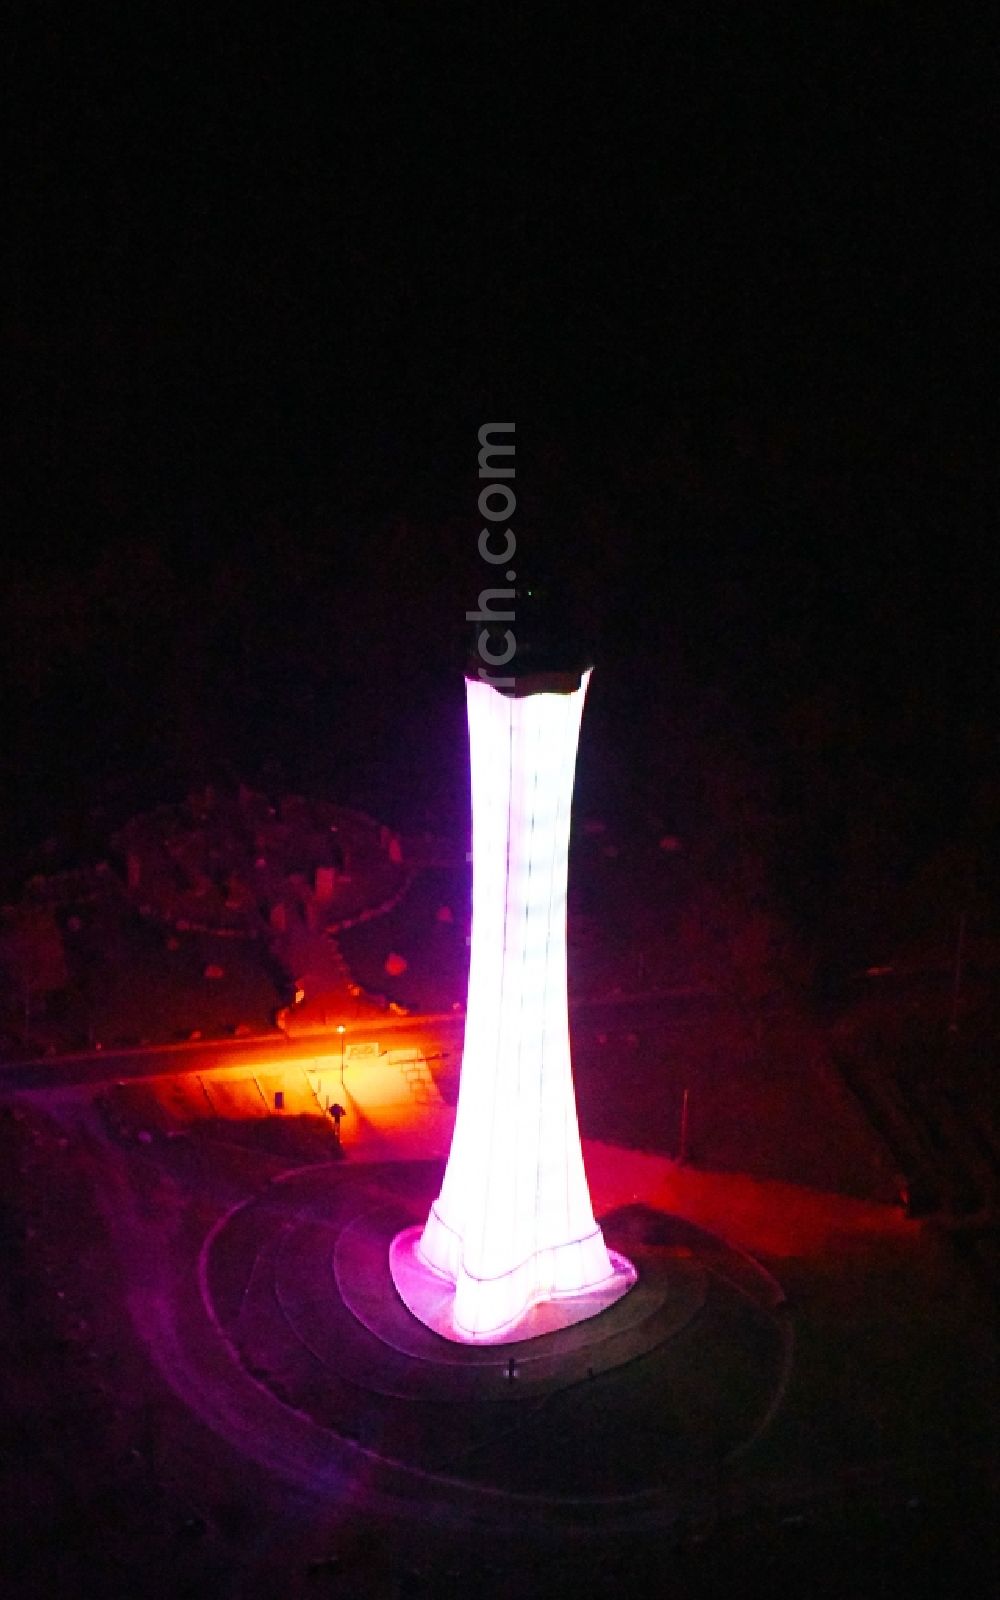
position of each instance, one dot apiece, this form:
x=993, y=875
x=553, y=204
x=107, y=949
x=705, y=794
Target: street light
x=341, y=1030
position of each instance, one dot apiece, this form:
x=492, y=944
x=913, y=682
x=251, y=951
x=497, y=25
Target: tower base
x=430, y=1297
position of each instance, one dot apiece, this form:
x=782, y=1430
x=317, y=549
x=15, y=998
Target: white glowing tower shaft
x=513, y=1224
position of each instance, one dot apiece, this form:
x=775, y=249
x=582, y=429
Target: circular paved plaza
x=633, y=1406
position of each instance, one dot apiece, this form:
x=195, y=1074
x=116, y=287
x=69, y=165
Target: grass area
x=159, y=990
x=436, y=952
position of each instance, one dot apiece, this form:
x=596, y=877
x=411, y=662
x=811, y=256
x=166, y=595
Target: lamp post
x=341, y=1030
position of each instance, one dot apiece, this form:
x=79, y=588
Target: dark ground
x=136, y=1448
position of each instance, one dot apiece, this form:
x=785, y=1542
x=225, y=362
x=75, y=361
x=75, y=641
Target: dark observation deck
x=550, y=654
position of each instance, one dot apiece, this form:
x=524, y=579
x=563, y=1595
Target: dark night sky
x=728, y=270
x=250, y=257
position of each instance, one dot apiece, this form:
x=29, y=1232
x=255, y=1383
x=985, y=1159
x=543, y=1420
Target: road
x=437, y=1036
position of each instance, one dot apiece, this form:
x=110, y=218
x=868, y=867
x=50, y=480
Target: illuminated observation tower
x=511, y=1248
